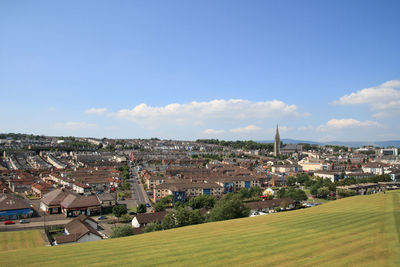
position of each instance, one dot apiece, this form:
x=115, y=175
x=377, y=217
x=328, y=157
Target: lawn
x=361, y=230
x=20, y=239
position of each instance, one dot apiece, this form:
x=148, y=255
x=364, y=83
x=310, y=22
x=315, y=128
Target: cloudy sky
x=201, y=69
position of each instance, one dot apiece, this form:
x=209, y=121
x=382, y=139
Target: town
x=84, y=189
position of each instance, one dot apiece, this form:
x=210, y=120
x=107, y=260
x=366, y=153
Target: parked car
x=257, y=213
x=9, y=222
x=24, y=221
x=148, y=205
x=102, y=217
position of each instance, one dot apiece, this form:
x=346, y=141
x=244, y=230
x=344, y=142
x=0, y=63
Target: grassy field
x=361, y=230
x=20, y=239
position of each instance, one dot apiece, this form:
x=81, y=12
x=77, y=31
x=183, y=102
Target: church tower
x=277, y=143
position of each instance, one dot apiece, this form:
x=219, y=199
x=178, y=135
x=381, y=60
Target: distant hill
x=395, y=143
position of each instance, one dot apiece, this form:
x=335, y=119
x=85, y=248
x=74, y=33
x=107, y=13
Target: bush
x=120, y=231
x=152, y=227
x=125, y=218
x=295, y=194
x=203, y=201
x=119, y=210
x=141, y=208
x=229, y=207
x=159, y=207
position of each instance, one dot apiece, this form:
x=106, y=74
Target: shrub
x=120, y=231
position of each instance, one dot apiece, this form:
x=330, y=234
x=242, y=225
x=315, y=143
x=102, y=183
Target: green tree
x=314, y=190
x=255, y=191
x=169, y=220
x=167, y=200
x=302, y=178
x=244, y=193
x=141, y=208
x=323, y=192
x=119, y=210
x=228, y=208
x=291, y=180
x=181, y=216
x=295, y=194
x=152, y=227
x=202, y=201
x=159, y=207
x=125, y=218
x=195, y=217
x=120, y=231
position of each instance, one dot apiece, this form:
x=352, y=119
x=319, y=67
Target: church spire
x=277, y=142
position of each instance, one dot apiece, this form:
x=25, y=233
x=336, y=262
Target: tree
x=291, y=181
x=255, y=191
x=181, y=216
x=202, y=201
x=159, y=207
x=314, y=190
x=120, y=231
x=345, y=193
x=228, y=208
x=119, y=210
x=302, y=178
x=141, y=208
x=244, y=193
x=195, y=217
x=323, y=192
x=295, y=194
x=281, y=193
x=152, y=227
x=125, y=218
x=167, y=200
x=168, y=221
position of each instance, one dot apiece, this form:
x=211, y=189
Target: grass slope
x=20, y=239
x=362, y=230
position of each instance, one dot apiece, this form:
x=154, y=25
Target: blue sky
x=201, y=69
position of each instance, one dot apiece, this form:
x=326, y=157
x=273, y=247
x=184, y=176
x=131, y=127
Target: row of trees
x=292, y=192
x=228, y=207
x=126, y=185
x=247, y=145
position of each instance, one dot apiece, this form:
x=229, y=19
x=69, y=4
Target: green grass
x=20, y=239
x=361, y=230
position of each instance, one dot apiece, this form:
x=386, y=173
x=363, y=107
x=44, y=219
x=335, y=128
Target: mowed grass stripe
x=20, y=239
x=354, y=231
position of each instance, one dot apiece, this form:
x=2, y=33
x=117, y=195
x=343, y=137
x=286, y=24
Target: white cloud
x=198, y=113
x=213, y=132
x=74, y=125
x=305, y=128
x=247, y=129
x=97, y=111
x=338, y=124
x=384, y=99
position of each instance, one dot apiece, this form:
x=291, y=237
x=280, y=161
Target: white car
x=257, y=213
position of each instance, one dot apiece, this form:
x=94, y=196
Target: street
x=138, y=192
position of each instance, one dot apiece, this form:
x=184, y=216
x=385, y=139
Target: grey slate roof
x=54, y=197
x=12, y=202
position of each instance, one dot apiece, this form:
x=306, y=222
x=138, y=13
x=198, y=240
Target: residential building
x=79, y=230
x=13, y=207
x=141, y=220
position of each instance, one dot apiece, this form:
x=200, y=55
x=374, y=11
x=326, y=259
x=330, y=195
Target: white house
x=79, y=230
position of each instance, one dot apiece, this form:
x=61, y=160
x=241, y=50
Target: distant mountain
x=395, y=143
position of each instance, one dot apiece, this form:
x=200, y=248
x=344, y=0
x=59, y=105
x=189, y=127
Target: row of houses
x=71, y=204
x=363, y=189
x=184, y=183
